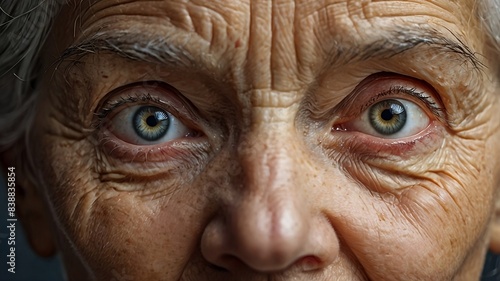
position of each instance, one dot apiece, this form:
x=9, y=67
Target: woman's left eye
x=147, y=125
x=391, y=118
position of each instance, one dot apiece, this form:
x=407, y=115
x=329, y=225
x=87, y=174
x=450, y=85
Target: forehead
x=308, y=6
x=278, y=37
x=238, y=12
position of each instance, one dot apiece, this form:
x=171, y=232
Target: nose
x=270, y=223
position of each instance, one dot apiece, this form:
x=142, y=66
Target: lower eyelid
x=358, y=143
x=176, y=151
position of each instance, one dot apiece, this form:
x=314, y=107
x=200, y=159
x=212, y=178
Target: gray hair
x=24, y=26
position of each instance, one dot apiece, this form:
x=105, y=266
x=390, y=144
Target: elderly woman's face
x=269, y=140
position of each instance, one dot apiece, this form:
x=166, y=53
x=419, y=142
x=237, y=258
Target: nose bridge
x=268, y=149
x=271, y=184
x=268, y=157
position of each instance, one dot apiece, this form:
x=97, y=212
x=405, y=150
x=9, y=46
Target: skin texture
x=277, y=176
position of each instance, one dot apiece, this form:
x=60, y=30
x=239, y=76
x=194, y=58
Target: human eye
x=390, y=107
x=147, y=121
x=391, y=118
x=147, y=125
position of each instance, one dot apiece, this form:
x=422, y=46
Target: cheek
x=111, y=231
x=127, y=235
x=425, y=231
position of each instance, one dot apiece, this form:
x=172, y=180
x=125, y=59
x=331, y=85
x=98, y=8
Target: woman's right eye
x=147, y=125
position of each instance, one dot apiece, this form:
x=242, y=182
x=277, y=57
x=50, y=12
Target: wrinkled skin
x=276, y=175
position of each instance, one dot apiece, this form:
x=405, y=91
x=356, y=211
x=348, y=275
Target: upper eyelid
x=378, y=85
x=413, y=92
x=146, y=100
x=122, y=96
x=113, y=104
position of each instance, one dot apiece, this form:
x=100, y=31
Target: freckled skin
x=269, y=192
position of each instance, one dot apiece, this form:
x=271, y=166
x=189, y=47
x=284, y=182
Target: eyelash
x=397, y=90
x=112, y=105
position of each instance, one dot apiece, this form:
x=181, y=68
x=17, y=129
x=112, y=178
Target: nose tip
x=269, y=239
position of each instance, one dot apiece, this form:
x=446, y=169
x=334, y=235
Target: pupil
x=387, y=114
x=151, y=121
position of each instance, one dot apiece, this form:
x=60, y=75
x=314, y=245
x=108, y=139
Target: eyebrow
x=402, y=40
x=138, y=47
x=131, y=46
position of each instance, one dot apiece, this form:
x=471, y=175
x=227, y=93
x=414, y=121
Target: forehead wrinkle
x=208, y=19
x=386, y=8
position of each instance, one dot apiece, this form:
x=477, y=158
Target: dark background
x=30, y=267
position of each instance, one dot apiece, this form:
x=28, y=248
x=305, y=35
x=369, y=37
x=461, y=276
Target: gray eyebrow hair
x=138, y=47
x=131, y=46
x=402, y=40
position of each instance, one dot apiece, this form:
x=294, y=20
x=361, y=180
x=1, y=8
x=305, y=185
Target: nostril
x=228, y=263
x=217, y=268
x=309, y=263
x=225, y=263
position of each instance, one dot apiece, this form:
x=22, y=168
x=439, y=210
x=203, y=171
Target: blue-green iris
x=387, y=117
x=151, y=123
